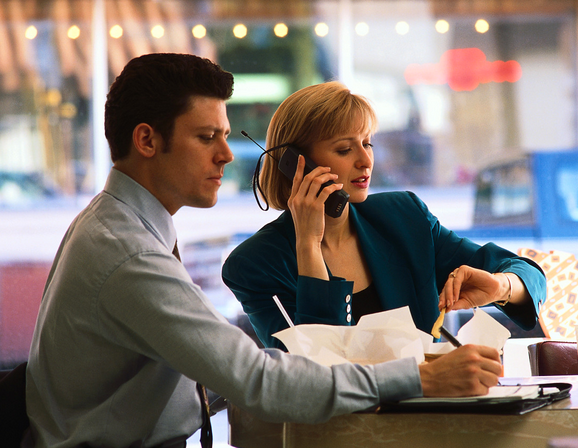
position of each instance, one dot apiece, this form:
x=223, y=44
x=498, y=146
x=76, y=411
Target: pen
x=439, y=329
x=450, y=337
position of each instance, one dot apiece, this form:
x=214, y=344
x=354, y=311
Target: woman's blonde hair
x=310, y=115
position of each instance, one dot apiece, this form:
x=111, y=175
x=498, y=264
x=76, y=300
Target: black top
x=365, y=302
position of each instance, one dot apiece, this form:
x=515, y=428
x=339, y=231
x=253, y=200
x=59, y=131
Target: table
x=532, y=430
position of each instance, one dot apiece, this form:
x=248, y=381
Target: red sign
x=463, y=69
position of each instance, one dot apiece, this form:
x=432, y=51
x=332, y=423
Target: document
x=496, y=394
x=518, y=399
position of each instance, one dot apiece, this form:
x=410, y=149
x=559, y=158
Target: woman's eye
x=343, y=152
x=368, y=145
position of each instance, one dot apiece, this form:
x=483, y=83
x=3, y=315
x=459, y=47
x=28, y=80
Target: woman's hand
x=468, y=287
x=308, y=212
x=308, y=208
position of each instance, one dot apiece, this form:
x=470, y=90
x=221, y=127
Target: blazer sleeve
x=453, y=251
x=265, y=265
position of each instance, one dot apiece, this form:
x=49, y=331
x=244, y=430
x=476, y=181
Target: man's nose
x=225, y=155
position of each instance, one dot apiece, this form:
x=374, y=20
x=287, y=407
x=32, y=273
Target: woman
x=385, y=250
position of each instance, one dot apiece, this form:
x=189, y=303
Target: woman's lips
x=361, y=182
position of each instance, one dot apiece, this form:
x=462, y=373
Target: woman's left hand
x=468, y=287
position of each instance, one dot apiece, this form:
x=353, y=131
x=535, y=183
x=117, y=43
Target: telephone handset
x=335, y=203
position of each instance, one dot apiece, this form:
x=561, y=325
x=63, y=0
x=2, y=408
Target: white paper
x=483, y=329
x=376, y=338
x=496, y=393
x=384, y=337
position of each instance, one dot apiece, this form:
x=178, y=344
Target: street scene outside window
x=477, y=104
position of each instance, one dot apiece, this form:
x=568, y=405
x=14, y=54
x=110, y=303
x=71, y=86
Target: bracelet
x=505, y=302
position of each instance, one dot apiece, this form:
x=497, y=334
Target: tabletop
x=416, y=430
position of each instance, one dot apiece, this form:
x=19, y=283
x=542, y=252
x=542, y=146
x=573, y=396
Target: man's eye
x=207, y=137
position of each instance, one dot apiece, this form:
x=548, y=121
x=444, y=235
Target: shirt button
x=348, y=309
x=347, y=298
x=349, y=318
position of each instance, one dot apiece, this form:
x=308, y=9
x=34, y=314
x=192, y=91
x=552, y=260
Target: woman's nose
x=365, y=158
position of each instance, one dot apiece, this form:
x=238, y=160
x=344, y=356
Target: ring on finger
x=453, y=275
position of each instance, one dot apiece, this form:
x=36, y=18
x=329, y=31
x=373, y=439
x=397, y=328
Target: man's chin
x=203, y=202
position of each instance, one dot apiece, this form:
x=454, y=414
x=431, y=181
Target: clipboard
x=547, y=394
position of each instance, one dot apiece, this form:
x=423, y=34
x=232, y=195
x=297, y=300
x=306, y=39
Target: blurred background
x=477, y=103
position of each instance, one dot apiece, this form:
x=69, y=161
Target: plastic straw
x=285, y=315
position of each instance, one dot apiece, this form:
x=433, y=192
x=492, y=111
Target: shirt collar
x=153, y=214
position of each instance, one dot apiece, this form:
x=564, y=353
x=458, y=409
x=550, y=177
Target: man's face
x=189, y=172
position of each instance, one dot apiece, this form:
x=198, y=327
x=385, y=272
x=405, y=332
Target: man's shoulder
x=109, y=226
x=108, y=214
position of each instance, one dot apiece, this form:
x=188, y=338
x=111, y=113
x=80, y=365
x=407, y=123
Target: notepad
x=496, y=393
x=506, y=400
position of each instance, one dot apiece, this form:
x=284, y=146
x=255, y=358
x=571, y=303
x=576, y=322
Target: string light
x=31, y=32
x=362, y=29
x=281, y=30
x=73, y=32
x=442, y=26
x=402, y=28
x=240, y=31
x=199, y=31
x=482, y=26
x=116, y=31
x=321, y=29
x=157, y=31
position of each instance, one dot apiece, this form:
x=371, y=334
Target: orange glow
x=463, y=69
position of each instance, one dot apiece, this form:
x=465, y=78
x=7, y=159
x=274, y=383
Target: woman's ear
x=146, y=141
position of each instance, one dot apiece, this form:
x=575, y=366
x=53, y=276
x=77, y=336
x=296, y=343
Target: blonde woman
x=385, y=250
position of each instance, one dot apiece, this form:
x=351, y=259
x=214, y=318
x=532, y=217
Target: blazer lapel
x=391, y=275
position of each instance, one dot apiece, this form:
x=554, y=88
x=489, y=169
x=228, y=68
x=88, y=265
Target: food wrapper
x=384, y=336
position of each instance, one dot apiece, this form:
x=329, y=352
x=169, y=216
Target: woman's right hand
x=308, y=212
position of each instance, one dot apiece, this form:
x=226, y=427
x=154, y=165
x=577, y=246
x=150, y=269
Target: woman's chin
x=358, y=197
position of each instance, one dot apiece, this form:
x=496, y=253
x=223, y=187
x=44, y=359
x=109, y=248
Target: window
x=457, y=85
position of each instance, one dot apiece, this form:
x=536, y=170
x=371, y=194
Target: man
x=123, y=334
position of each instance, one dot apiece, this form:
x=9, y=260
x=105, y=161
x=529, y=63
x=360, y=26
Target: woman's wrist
x=310, y=262
x=507, y=296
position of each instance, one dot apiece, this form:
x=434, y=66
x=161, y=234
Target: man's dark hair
x=156, y=89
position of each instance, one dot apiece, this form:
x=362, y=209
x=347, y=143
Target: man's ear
x=146, y=141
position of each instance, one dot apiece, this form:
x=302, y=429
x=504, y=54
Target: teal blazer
x=410, y=256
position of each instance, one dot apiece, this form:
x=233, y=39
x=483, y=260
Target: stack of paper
x=497, y=393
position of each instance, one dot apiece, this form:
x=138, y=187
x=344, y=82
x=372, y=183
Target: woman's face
x=350, y=156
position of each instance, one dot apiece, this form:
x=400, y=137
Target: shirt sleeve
x=166, y=317
x=254, y=274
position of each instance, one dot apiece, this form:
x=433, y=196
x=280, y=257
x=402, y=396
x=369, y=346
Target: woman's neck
x=337, y=230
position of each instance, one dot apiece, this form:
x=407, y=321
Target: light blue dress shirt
x=123, y=334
